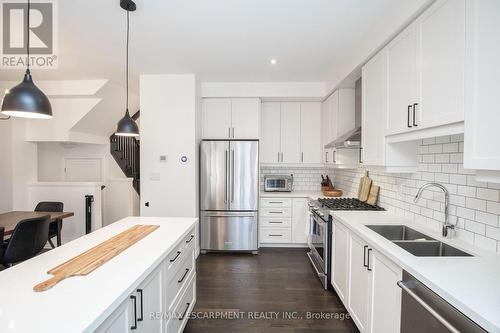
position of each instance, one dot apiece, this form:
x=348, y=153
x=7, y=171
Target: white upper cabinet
x=425, y=71
x=374, y=110
x=226, y=118
x=482, y=79
x=216, y=118
x=440, y=64
x=310, y=134
x=401, y=81
x=291, y=133
x=270, y=143
x=245, y=118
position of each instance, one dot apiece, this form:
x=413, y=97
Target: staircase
x=126, y=152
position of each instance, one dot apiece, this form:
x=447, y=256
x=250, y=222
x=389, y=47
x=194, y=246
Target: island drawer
x=181, y=311
x=178, y=279
x=177, y=255
x=275, y=202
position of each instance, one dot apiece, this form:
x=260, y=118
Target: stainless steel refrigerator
x=229, y=195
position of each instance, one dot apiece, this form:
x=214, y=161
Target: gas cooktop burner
x=347, y=204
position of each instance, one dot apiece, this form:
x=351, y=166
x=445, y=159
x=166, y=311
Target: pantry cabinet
x=425, y=71
x=289, y=133
x=231, y=118
x=481, y=135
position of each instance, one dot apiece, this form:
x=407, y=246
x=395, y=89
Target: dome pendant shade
x=127, y=126
x=26, y=101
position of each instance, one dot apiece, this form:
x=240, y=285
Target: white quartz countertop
x=470, y=284
x=294, y=194
x=81, y=304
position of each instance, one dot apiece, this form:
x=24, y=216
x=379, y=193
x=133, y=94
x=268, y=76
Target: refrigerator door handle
x=232, y=175
x=225, y=176
x=228, y=214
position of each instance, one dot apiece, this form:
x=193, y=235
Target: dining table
x=9, y=220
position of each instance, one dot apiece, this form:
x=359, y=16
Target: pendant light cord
x=28, y=39
x=128, y=37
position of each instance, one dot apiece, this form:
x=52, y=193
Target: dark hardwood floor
x=263, y=289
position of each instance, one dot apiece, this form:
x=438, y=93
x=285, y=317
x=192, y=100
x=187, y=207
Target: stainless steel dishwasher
x=422, y=310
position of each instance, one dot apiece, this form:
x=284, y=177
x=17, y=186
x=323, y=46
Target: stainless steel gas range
x=319, y=236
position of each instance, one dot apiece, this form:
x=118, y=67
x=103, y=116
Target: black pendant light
x=127, y=126
x=25, y=100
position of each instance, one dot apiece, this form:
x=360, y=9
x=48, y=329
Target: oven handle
x=428, y=308
x=314, y=266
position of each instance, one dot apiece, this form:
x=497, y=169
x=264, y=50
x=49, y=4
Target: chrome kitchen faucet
x=447, y=226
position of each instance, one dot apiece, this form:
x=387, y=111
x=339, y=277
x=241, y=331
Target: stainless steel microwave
x=278, y=183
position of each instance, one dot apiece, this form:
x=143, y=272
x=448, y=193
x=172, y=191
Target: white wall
x=475, y=204
x=119, y=197
x=169, y=128
x=301, y=90
x=5, y=166
x=73, y=197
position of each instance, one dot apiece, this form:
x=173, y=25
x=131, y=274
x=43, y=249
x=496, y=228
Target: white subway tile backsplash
x=476, y=205
x=487, y=194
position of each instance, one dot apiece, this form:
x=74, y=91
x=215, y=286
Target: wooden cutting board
x=373, y=197
x=365, y=184
x=97, y=256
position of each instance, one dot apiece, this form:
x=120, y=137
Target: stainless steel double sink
x=417, y=243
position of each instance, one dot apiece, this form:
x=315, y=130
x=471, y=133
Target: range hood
x=351, y=139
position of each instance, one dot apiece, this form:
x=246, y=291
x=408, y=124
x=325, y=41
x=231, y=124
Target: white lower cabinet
x=283, y=220
x=340, y=259
x=359, y=283
x=161, y=302
x=366, y=282
x=385, y=303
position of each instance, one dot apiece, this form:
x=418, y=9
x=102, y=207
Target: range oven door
x=318, y=243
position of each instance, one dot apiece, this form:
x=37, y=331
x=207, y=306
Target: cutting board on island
x=97, y=256
x=365, y=185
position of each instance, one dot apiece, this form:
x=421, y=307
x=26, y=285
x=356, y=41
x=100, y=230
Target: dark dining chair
x=27, y=240
x=56, y=226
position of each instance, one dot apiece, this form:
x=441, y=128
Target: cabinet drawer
x=178, y=279
x=177, y=255
x=276, y=222
x=275, y=235
x=180, y=314
x=275, y=202
x=276, y=212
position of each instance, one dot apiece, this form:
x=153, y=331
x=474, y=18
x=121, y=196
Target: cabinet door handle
x=133, y=298
x=278, y=156
x=275, y=212
x=140, y=291
x=229, y=132
x=368, y=260
x=190, y=239
x=275, y=222
x=233, y=132
x=276, y=202
x=275, y=235
x=364, y=255
x=302, y=157
x=176, y=256
x=184, y=275
x=414, y=114
x=335, y=157
x=326, y=160
x=408, y=118
x=185, y=311
x=361, y=155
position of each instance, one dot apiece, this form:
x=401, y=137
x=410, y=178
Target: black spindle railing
x=126, y=152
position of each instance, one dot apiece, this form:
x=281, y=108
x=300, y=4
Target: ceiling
x=222, y=40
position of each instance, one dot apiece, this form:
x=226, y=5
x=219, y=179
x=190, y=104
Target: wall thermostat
x=184, y=159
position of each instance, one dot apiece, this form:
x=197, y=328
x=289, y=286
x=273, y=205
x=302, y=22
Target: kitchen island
x=147, y=288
